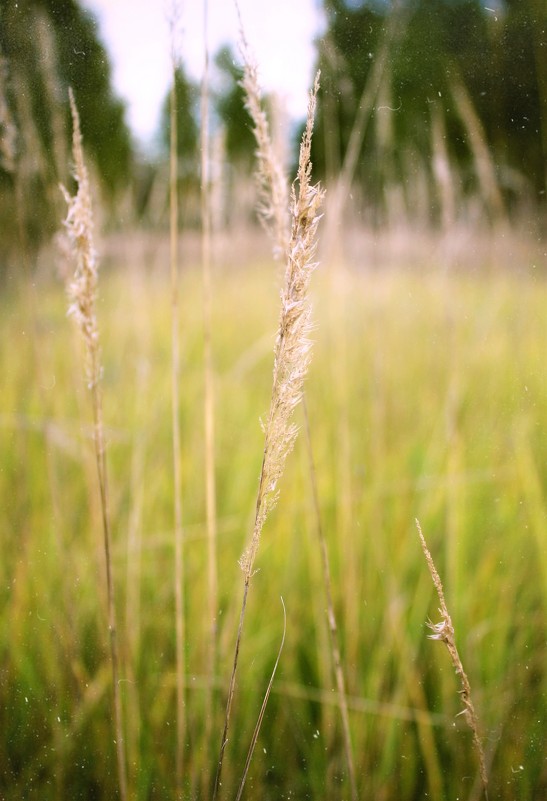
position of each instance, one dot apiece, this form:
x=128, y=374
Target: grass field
x=427, y=398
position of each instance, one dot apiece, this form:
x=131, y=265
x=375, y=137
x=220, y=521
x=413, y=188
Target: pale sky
x=136, y=35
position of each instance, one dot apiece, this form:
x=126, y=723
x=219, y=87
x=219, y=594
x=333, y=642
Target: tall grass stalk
x=534, y=496
x=176, y=436
x=331, y=615
x=291, y=361
x=444, y=631
x=209, y=388
x=478, y=144
x=82, y=293
x=53, y=92
x=273, y=188
x=134, y=550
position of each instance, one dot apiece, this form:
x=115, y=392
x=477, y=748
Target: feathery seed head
x=441, y=630
x=82, y=288
x=293, y=345
x=270, y=177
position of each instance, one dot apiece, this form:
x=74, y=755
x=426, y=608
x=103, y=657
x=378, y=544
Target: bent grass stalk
x=291, y=361
x=82, y=292
x=444, y=631
x=262, y=708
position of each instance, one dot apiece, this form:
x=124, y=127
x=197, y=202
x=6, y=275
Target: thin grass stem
x=180, y=627
x=82, y=291
x=291, y=361
x=209, y=389
x=444, y=631
x=258, y=726
x=331, y=616
x=272, y=207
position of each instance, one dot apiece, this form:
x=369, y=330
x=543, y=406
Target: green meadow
x=426, y=398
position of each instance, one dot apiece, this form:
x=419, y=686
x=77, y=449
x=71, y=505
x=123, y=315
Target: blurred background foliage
x=446, y=90
x=430, y=110
x=47, y=46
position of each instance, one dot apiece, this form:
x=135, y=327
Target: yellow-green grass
x=427, y=398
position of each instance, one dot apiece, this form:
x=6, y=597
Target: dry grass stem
x=53, y=90
x=444, y=631
x=331, y=616
x=272, y=210
x=180, y=627
x=209, y=387
x=256, y=731
x=32, y=158
x=82, y=293
x=478, y=143
x=291, y=361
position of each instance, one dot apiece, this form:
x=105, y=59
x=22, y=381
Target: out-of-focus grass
x=427, y=398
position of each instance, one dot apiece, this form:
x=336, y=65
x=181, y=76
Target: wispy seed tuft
x=82, y=286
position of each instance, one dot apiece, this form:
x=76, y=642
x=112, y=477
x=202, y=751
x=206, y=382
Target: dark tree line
x=47, y=46
x=428, y=108
x=434, y=109
x=51, y=45
x=436, y=98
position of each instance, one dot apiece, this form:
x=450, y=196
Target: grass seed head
x=293, y=344
x=82, y=287
x=444, y=632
